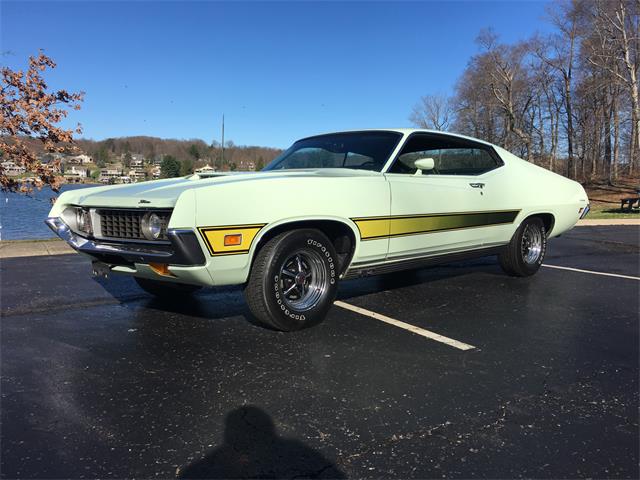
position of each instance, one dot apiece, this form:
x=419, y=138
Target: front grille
x=127, y=224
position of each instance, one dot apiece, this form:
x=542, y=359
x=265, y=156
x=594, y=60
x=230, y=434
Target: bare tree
x=567, y=100
x=434, y=112
x=509, y=83
x=617, y=24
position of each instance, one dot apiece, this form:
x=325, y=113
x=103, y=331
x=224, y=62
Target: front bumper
x=184, y=248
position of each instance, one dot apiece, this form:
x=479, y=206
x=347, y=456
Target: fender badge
x=144, y=201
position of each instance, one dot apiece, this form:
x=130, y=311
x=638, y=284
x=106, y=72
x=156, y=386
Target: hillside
x=189, y=150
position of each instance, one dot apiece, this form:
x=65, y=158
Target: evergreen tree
x=170, y=167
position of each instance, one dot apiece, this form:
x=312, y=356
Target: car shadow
x=224, y=302
x=252, y=448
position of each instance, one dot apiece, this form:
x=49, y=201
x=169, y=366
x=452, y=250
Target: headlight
x=152, y=226
x=78, y=219
x=83, y=220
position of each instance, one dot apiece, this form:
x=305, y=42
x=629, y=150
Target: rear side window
x=451, y=155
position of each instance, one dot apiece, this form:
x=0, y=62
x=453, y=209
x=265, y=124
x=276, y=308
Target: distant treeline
x=192, y=151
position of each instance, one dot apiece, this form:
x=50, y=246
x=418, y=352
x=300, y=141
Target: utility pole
x=222, y=161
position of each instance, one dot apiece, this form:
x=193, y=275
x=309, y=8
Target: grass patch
x=607, y=210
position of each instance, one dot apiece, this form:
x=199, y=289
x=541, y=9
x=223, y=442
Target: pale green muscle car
x=331, y=207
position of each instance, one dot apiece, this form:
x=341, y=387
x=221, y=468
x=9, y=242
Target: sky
x=278, y=71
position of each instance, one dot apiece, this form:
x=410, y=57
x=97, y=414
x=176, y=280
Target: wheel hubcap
x=532, y=242
x=303, y=280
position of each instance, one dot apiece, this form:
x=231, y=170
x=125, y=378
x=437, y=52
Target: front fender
x=235, y=269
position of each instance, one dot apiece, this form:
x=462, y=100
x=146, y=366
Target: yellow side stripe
x=373, y=228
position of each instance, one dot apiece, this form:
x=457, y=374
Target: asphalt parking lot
x=101, y=380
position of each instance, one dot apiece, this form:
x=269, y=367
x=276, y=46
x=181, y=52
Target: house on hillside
x=76, y=175
x=81, y=159
x=205, y=169
x=137, y=175
x=110, y=175
x=247, y=165
x=11, y=169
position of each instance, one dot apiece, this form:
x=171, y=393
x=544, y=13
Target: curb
x=33, y=248
x=587, y=222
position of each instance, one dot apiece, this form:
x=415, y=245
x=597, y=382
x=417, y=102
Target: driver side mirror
x=424, y=164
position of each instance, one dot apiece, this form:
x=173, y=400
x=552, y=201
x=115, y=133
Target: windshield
x=357, y=150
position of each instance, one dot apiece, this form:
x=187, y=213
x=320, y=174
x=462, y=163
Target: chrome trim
x=182, y=249
x=408, y=262
x=531, y=244
x=303, y=280
x=416, y=256
x=586, y=210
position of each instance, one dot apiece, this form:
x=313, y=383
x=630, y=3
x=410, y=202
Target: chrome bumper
x=585, y=211
x=184, y=248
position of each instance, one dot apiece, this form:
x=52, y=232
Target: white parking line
x=411, y=328
x=617, y=275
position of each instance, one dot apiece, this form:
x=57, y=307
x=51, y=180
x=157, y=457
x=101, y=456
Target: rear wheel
x=293, y=280
x=525, y=252
x=166, y=289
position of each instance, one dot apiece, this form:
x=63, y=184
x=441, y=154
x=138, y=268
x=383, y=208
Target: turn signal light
x=233, y=240
x=161, y=269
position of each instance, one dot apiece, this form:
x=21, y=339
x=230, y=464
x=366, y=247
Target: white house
x=75, y=174
x=247, y=166
x=80, y=159
x=11, y=169
x=137, y=175
x=137, y=159
x=205, y=169
x=110, y=175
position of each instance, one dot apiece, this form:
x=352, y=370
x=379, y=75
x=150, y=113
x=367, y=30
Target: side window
x=451, y=156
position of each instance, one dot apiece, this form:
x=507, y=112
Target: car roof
x=404, y=131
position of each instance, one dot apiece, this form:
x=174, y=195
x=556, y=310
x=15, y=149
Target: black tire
x=526, y=250
x=300, y=298
x=166, y=290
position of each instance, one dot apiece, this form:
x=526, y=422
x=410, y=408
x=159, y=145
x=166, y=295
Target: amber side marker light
x=161, y=269
x=233, y=240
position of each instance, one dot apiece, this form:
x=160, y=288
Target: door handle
x=476, y=185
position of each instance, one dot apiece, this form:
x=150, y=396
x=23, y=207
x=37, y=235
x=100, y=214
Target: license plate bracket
x=99, y=269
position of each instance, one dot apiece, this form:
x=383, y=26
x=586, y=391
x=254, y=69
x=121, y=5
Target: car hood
x=164, y=193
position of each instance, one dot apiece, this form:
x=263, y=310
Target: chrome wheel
x=303, y=280
x=531, y=245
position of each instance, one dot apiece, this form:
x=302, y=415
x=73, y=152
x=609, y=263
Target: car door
x=445, y=209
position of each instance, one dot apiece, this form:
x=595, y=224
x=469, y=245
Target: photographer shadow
x=253, y=449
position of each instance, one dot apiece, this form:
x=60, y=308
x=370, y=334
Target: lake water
x=22, y=217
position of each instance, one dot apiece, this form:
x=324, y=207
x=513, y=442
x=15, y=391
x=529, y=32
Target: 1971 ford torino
x=331, y=207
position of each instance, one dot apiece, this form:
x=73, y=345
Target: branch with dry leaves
x=29, y=109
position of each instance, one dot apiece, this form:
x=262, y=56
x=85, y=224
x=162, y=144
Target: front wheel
x=525, y=252
x=293, y=280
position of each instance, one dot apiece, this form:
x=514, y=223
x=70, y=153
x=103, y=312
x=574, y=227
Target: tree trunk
x=635, y=128
x=606, y=161
x=567, y=99
x=616, y=141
